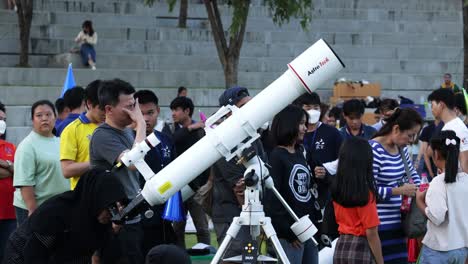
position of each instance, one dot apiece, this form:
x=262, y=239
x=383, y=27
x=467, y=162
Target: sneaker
x=93, y=68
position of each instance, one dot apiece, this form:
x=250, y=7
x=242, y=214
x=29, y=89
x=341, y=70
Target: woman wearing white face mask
x=7, y=211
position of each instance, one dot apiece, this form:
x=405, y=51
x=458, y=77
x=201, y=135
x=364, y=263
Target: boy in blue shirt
x=353, y=110
x=156, y=230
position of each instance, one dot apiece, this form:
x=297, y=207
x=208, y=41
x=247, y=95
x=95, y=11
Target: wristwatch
x=9, y=163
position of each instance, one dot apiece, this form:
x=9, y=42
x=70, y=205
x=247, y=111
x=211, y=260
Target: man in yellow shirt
x=449, y=84
x=75, y=138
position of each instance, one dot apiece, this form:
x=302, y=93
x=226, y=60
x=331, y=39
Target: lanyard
x=312, y=144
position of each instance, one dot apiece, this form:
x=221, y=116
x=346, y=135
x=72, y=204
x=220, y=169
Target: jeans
x=7, y=226
x=430, y=256
x=21, y=215
x=86, y=51
x=307, y=254
x=199, y=220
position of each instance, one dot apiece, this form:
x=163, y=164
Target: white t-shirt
x=460, y=129
x=447, y=228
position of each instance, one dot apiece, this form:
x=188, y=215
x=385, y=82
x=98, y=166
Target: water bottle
x=424, y=183
x=406, y=200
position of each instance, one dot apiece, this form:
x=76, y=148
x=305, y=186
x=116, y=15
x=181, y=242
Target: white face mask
x=314, y=116
x=3, y=127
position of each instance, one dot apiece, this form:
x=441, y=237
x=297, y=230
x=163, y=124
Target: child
x=293, y=180
x=354, y=200
x=444, y=204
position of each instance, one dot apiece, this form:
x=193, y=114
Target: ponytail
x=447, y=144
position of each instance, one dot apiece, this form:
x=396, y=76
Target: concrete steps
x=378, y=22
x=263, y=65
x=136, y=5
x=139, y=78
x=439, y=38
x=201, y=79
x=27, y=95
x=362, y=50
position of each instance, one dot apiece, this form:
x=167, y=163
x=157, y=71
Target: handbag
x=413, y=222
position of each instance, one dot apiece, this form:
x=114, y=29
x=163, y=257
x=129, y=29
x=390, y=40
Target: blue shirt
x=366, y=132
x=60, y=127
x=161, y=155
x=158, y=158
x=323, y=144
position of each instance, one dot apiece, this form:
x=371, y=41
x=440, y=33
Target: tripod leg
x=271, y=234
x=230, y=234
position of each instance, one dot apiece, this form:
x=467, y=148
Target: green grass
x=191, y=240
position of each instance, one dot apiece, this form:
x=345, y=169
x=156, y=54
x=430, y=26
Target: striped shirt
x=389, y=171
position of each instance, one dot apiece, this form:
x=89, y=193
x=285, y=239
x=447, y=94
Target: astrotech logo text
x=319, y=65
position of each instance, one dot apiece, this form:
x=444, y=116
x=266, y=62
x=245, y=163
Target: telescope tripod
x=252, y=215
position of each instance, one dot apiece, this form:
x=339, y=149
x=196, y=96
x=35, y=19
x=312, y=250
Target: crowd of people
x=60, y=187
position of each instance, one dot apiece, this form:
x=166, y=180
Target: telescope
x=305, y=73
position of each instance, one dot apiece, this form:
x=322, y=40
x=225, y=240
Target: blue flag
x=174, y=209
x=69, y=81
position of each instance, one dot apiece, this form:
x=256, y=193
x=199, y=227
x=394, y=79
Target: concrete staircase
x=404, y=45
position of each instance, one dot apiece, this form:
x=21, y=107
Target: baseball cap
x=233, y=95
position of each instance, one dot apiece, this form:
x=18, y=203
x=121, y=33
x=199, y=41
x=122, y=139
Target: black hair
x=88, y=24
x=307, y=99
x=109, y=92
x=354, y=177
x=442, y=142
x=447, y=96
x=91, y=92
x=335, y=112
x=2, y=107
x=60, y=105
x=387, y=104
x=181, y=89
x=74, y=97
x=184, y=103
x=353, y=107
x=406, y=119
x=146, y=96
x=285, y=126
x=460, y=103
x=323, y=110
x=42, y=102
x=448, y=74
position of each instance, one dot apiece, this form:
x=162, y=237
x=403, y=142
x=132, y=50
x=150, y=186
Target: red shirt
x=356, y=220
x=7, y=211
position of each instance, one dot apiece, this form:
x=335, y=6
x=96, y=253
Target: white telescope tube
x=307, y=72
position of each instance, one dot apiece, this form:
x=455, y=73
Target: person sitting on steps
x=87, y=38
